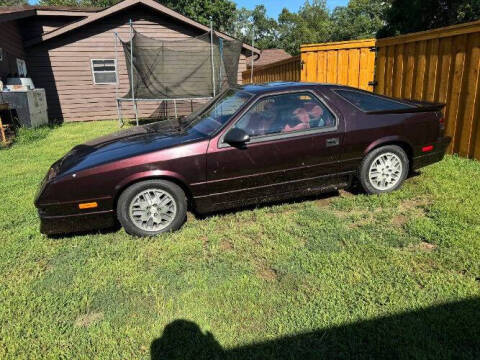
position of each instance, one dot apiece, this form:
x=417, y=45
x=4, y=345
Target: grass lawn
x=340, y=276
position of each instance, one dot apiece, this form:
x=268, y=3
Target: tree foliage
x=220, y=12
x=358, y=20
x=255, y=23
x=406, y=16
x=311, y=24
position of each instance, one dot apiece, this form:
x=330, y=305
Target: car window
x=369, y=102
x=217, y=112
x=286, y=113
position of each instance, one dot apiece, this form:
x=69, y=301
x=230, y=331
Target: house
x=268, y=56
x=59, y=46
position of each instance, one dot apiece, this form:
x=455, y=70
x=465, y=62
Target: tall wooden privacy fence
x=284, y=70
x=347, y=63
x=441, y=65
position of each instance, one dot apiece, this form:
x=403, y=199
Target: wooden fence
x=440, y=65
x=347, y=63
x=284, y=70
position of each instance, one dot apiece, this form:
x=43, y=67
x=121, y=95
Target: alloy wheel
x=152, y=210
x=385, y=171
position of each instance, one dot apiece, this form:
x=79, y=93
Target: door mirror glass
x=236, y=136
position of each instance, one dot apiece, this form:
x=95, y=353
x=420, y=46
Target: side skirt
x=207, y=204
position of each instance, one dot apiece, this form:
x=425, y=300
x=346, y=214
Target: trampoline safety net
x=181, y=69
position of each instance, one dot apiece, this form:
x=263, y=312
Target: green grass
x=345, y=276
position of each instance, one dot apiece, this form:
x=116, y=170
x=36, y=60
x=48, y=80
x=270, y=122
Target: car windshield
x=217, y=112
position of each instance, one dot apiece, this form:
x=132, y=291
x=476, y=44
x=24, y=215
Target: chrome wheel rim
x=385, y=171
x=152, y=210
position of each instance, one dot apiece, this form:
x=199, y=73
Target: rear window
x=370, y=102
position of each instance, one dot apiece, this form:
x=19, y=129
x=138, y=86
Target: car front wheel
x=152, y=207
x=384, y=169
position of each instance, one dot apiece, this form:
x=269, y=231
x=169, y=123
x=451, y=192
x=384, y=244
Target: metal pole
x=119, y=112
x=131, y=73
x=120, y=120
x=211, y=55
x=253, y=44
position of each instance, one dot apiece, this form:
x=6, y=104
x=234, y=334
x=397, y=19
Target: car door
x=292, y=148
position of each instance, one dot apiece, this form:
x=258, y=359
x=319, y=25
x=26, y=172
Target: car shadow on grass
x=447, y=331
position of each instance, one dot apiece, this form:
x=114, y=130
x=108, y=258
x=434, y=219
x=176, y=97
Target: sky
x=274, y=7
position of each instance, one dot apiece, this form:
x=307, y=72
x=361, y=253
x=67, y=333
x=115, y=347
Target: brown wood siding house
x=59, y=59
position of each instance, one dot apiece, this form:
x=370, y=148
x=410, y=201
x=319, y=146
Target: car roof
x=266, y=88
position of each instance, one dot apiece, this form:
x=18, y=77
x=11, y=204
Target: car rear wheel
x=152, y=207
x=384, y=169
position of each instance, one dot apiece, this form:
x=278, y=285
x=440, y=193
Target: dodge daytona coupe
x=248, y=145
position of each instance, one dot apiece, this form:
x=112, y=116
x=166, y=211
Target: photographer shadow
x=448, y=331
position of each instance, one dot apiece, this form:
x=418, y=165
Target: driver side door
x=290, y=150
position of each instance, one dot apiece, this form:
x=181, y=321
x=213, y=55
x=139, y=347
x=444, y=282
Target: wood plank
x=371, y=68
x=443, y=73
x=322, y=67
x=468, y=101
x=380, y=66
x=420, y=65
x=311, y=67
x=409, y=70
x=459, y=46
x=390, y=63
x=343, y=67
x=350, y=44
x=398, y=71
x=353, y=67
x=431, y=80
x=332, y=66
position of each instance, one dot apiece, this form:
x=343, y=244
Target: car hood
x=121, y=145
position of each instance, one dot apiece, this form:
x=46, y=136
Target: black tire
x=129, y=194
x=363, y=173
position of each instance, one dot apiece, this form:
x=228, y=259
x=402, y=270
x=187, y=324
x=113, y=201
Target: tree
x=221, y=12
x=405, y=16
x=13, y=2
x=265, y=28
x=360, y=19
x=310, y=25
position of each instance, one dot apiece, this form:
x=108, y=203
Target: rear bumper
x=53, y=225
x=439, y=149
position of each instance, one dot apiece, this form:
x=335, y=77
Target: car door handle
x=333, y=141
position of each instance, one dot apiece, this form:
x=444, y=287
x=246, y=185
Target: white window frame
x=113, y=71
x=21, y=67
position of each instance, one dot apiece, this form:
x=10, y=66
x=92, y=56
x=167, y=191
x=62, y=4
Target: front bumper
x=439, y=149
x=76, y=223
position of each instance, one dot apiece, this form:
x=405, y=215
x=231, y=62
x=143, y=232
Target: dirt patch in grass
x=88, y=319
x=399, y=220
x=268, y=274
x=226, y=245
x=426, y=246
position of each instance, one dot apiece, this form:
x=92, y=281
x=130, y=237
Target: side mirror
x=236, y=137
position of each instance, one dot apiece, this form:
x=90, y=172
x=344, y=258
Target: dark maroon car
x=249, y=145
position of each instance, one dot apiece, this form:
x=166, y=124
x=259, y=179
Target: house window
x=104, y=71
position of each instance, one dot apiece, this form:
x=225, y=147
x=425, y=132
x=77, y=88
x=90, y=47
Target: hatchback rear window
x=370, y=102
